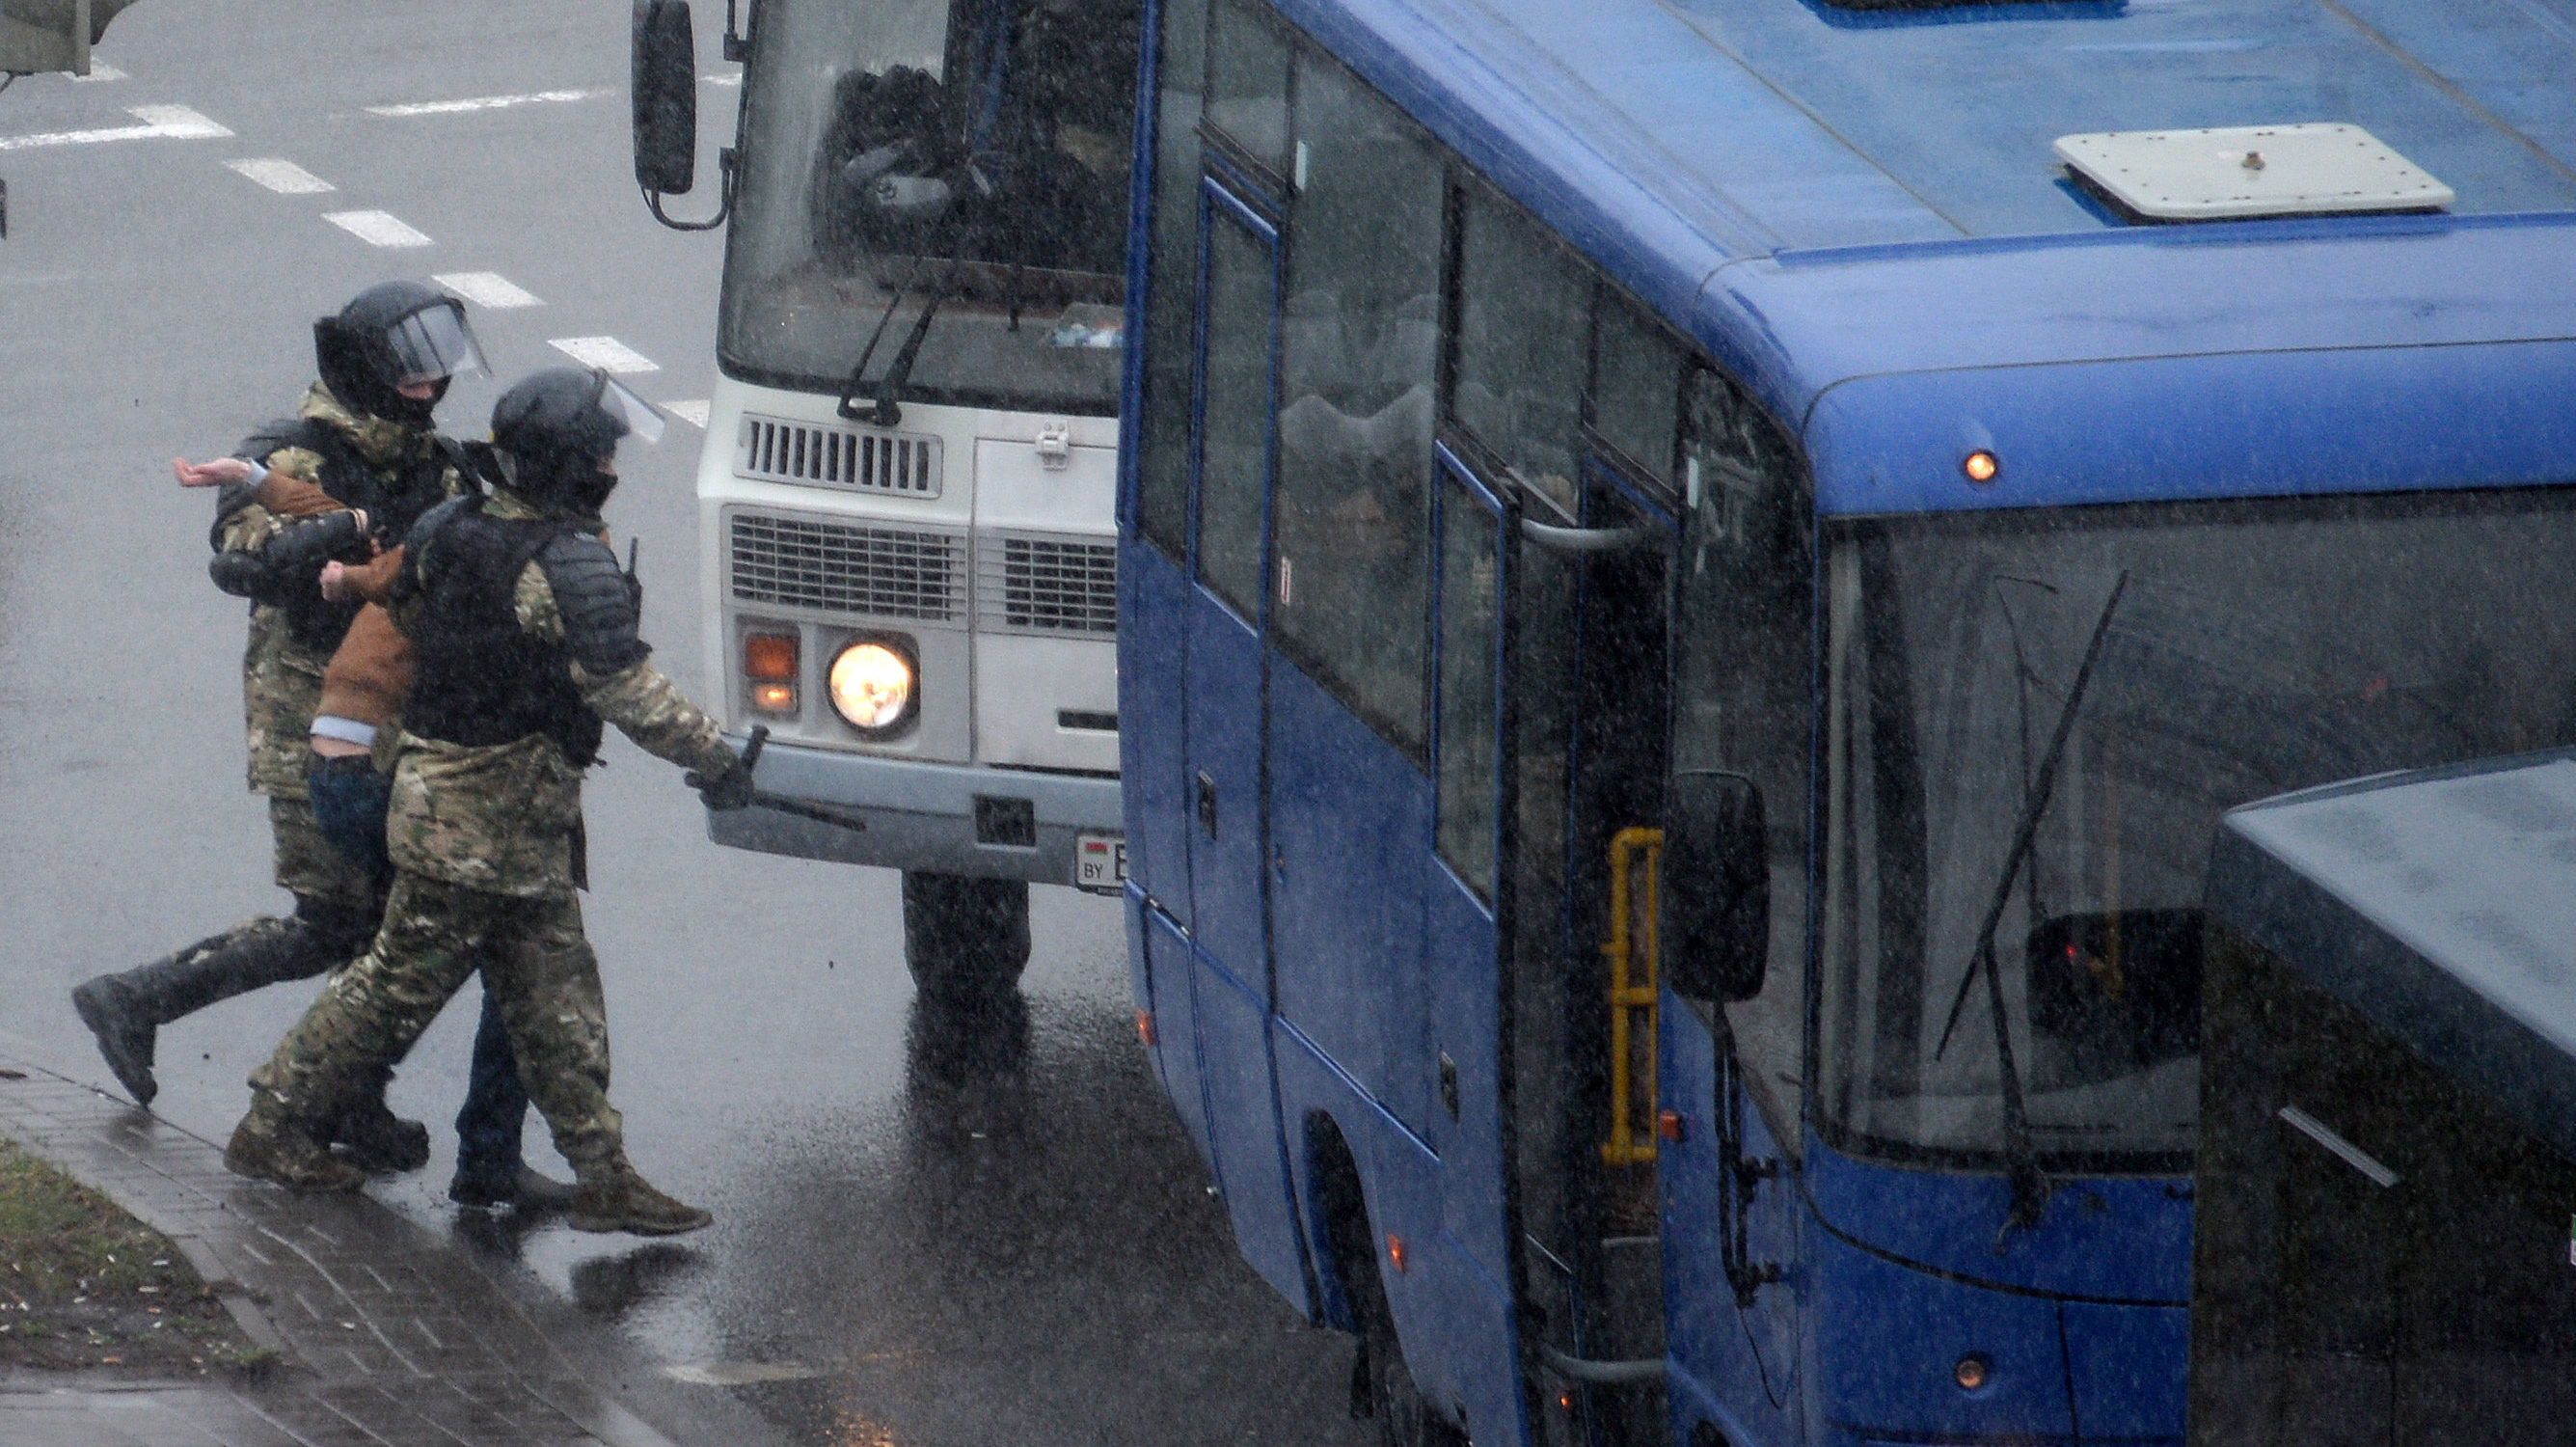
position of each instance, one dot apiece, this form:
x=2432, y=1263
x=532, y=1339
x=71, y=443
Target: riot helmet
x=558, y=430
x=394, y=335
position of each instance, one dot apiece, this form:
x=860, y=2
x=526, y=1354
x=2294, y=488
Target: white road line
x=284, y=177
x=99, y=71
x=734, y=79
x=693, y=413
x=177, y=122
x=607, y=353
x=487, y=289
x=377, y=228
x=171, y=123
x=481, y=103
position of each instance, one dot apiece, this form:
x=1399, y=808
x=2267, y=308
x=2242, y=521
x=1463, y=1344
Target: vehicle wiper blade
x=2030, y=1190
x=858, y=370
x=889, y=408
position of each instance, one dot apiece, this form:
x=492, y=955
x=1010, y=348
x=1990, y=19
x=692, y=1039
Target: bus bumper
x=941, y=818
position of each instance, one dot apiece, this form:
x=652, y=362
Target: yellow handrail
x=1632, y=953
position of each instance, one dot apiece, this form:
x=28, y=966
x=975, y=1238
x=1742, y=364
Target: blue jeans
x=350, y=800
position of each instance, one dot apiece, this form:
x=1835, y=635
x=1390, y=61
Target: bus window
x=1248, y=80
x=1523, y=327
x=1742, y=697
x=1636, y=386
x=1162, y=494
x=1468, y=645
x=1359, y=344
x=1234, y=438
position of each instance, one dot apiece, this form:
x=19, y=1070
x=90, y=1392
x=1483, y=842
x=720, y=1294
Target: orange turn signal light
x=1670, y=1124
x=1145, y=1027
x=1395, y=1252
x=1970, y=1372
x=1980, y=466
x=769, y=657
x=774, y=697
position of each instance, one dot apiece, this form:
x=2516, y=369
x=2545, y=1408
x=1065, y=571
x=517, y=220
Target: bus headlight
x=871, y=685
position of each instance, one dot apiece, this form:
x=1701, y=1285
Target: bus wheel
x=1381, y=1384
x=965, y=938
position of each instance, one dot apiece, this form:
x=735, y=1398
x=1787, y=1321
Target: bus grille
x=838, y=568
x=896, y=462
x=1035, y=584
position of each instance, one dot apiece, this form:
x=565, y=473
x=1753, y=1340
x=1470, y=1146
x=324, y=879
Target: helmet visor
x=642, y=422
x=432, y=343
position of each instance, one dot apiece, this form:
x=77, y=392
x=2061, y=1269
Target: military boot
x=125, y=1033
x=377, y=1141
x=126, y=1011
x=615, y=1198
x=266, y=1146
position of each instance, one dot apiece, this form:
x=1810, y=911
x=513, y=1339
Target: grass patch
x=84, y=1286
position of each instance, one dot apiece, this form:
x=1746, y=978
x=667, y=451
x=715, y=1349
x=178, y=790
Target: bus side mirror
x=1715, y=886
x=666, y=97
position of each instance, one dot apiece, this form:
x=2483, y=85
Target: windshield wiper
x=887, y=411
x=889, y=408
x=2030, y=1189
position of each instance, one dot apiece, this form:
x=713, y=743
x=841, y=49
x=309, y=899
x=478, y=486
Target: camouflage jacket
x=506, y=818
x=282, y=679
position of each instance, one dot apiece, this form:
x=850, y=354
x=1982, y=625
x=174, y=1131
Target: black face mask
x=559, y=480
x=353, y=367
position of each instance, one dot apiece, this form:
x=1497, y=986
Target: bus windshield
x=969, y=158
x=2237, y=651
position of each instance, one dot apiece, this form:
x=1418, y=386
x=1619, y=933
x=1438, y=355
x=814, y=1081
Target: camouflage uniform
x=487, y=847
x=282, y=679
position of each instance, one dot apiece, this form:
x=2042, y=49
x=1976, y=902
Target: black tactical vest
x=479, y=678
x=392, y=501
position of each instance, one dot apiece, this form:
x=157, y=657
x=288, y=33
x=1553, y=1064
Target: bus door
x=1607, y=750
x=1223, y=754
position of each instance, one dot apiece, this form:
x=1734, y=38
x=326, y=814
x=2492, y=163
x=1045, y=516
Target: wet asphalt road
x=928, y=1231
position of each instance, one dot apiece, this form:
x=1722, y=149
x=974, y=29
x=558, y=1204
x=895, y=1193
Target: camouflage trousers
x=535, y=962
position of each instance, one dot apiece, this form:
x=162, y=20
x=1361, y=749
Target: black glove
x=729, y=788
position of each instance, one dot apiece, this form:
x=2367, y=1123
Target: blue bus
x=1696, y=577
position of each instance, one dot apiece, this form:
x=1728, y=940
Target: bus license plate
x=1099, y=861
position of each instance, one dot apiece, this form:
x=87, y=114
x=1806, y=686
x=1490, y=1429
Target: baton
x=763, y=799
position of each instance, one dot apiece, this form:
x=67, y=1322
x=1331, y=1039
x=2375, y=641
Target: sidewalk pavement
x=390, y=1336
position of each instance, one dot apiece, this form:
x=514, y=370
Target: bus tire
x=964, y=938
x=1382, y=1386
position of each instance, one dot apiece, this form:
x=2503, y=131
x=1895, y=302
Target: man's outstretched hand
x=210, y=474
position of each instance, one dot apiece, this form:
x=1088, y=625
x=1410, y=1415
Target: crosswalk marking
x=694, y=413
x=177, y=122
x=487, y=289
x=99, y=70
x=481, y=103
x=170, y=123
x=377, y=228
x=606, y=353
x=284, y=177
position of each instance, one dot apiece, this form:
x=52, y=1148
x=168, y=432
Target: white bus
x=908, y=557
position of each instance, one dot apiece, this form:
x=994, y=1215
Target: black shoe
x=522, y=1187
x=377, y=1141
x=124, y=1036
